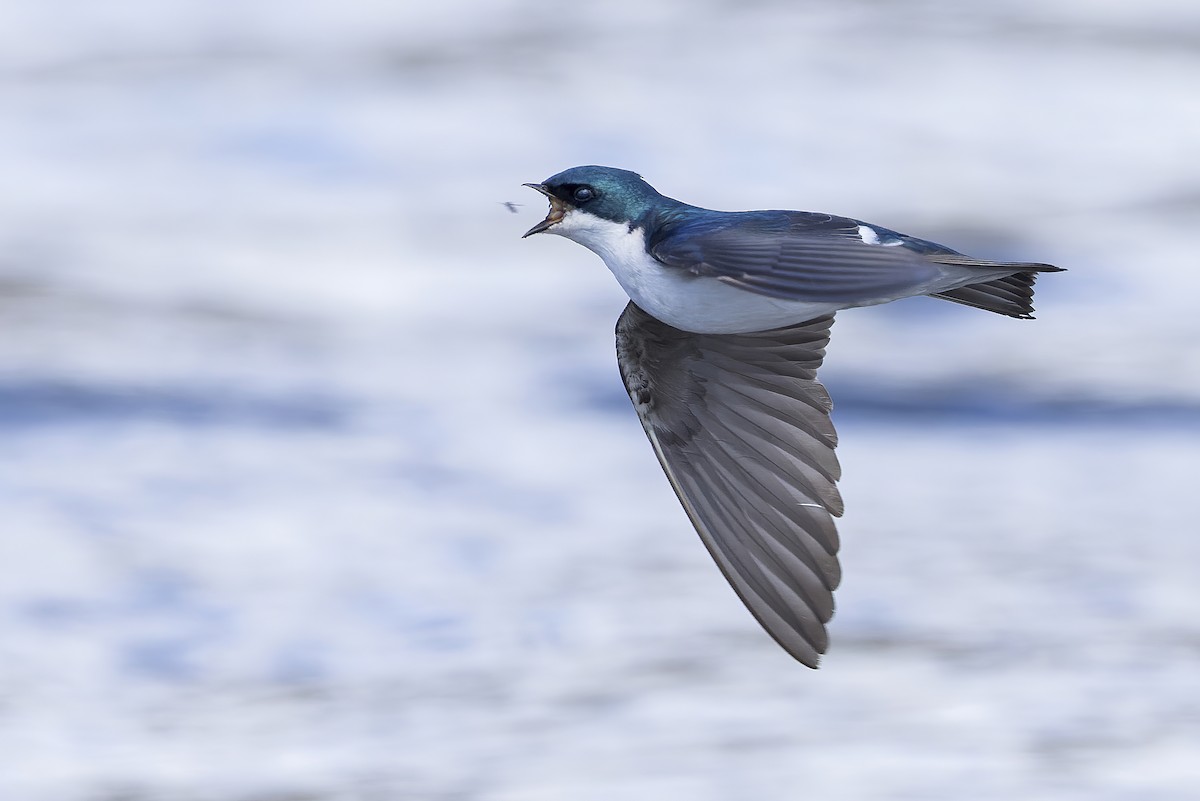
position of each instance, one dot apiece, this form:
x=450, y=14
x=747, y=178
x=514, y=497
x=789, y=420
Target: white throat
x=616, y=243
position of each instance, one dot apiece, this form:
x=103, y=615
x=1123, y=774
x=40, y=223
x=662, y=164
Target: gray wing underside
x=827, y=262
x=741, y=427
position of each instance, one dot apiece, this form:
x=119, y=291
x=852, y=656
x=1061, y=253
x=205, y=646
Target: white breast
x=700, y=304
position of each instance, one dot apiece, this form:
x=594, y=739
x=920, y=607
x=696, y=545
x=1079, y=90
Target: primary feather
x=741, y=427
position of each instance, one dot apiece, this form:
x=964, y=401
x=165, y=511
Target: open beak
x=557, y=210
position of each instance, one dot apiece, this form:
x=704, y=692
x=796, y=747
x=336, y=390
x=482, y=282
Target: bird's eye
x=583, y=194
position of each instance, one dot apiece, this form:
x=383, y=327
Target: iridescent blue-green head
x=606, y=193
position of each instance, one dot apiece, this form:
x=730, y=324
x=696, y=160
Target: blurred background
x=319, y=483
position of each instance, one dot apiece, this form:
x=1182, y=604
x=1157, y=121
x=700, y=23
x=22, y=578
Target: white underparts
x=700, y=304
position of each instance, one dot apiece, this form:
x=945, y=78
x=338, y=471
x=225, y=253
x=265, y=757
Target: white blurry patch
x=868, y=234
x=871, y=237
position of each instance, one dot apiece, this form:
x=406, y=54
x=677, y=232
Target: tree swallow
x=728, y=320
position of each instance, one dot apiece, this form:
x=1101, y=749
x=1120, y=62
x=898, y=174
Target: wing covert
x=795, y=256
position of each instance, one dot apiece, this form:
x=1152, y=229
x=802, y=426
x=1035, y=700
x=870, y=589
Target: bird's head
x=583, y=195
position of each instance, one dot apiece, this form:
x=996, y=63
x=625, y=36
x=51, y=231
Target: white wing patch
x=871, y=237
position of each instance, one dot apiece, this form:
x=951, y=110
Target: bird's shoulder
x=697, y=222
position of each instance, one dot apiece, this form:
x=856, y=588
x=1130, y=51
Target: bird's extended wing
x=741, y=427
x=813, y=257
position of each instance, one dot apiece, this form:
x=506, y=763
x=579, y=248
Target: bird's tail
x=1011, y=295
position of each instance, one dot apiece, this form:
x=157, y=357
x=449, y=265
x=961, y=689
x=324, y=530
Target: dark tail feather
x=1011, y=295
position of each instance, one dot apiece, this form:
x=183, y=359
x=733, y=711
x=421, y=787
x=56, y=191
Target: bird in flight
x=719, y=347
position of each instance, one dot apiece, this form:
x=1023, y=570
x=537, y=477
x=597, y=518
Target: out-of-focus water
x=318, y=483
